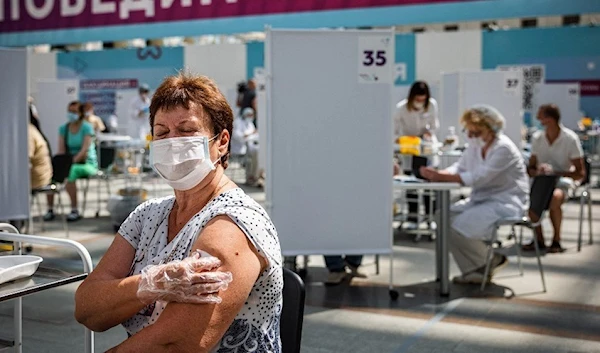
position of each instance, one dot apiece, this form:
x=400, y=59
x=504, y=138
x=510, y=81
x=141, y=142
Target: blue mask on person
x=71, y=117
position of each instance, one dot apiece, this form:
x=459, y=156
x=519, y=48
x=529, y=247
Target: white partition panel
x=14, y=119
x=42, y=66
x=438, y=52
x=226, y=64
x=450, y=105
x=502, y=90
x=565, y=96
x=329, y=140
x=261, y=118
x=53, y=98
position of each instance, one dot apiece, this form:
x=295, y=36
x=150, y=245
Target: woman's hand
x=191, y=280
x=430, y=173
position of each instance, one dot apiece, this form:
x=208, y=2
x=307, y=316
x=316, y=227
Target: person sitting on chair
x=76, y=138
x=555, y=150
x=190, y=122
x=493, y=167
x=40, y=163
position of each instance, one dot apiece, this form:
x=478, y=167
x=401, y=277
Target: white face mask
x=475, y=142
x=182, y=161
x=418, y=105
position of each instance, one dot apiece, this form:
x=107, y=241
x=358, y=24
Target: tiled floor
x=513, y=315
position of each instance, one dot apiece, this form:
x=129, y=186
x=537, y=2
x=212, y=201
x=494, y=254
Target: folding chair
x=292, y=313
x=48, y=189
x=100, y=176
x=585, y=197
x=61, y=165
x=539, y=197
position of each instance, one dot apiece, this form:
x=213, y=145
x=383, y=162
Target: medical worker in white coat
x=139, y=116
x=495, y=170
x=417, y=115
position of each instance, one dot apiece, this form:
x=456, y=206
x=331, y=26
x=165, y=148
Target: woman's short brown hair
x=186, y=90
x=550, y=111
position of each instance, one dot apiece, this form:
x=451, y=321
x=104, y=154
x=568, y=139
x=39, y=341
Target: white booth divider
x=501, y=90
x=329, y=140
x=14, y=119
x=53, y=99
x=565, y=96
x=438, y=52
x=42, y=66
x=226, y=64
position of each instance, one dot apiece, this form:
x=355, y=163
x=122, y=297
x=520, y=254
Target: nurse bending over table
x=495, y=170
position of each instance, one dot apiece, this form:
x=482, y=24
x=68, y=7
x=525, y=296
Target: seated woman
x=190, y=122
x=494, y=168
x=77, y=138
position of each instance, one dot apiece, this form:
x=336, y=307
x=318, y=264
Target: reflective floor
x=512, y=315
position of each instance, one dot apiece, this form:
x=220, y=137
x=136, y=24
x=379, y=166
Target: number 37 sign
x=375, y=59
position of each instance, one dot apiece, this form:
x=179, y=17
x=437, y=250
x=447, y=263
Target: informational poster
x=532, y=75
x=110, y=79
x=375, y=59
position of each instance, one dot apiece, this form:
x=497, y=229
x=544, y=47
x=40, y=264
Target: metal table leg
x=442, y=243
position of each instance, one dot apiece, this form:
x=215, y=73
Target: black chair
x=540, y=196
x=292, y=313
x=61, y=165
x=585, y=197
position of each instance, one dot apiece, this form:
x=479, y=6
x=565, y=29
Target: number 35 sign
x=375, y=59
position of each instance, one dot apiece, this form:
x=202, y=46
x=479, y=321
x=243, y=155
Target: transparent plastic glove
x=191, y=280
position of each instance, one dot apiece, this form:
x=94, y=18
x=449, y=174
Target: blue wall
x=565, y=51
x=406, y=54
x=255, y=55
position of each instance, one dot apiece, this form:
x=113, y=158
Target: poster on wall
x=110, y=79
x=532, y=75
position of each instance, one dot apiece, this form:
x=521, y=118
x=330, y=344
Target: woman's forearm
x=102, y=304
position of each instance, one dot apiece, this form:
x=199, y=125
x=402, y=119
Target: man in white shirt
x=555, y=150
x=139, y=122
x=244, y=142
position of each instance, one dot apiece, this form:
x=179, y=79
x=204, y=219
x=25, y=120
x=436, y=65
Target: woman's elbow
x=86, y=317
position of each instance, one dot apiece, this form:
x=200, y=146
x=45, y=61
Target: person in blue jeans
x=342, y=267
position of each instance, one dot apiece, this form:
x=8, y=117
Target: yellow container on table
x=410, y=145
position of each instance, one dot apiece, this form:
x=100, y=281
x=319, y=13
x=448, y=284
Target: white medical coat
x=414, y=122
x=139, y=126
x=500, y=188
x=239, y=140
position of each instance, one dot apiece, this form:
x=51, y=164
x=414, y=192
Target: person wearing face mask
x=191, y=124
x=416, y=115
x=76, y=138
x=555, y=150
x=138, y=127
x=90, y=117
x=494, y=168
x=244, y=142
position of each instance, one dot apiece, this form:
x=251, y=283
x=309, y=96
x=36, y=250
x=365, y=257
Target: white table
x=442, y=254
x=42, y=280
